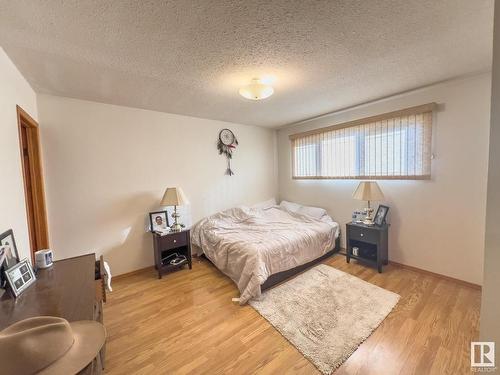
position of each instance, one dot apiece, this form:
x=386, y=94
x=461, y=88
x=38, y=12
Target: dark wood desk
x=67, y=290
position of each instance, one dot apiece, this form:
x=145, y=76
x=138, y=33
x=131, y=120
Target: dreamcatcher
x=226, y=145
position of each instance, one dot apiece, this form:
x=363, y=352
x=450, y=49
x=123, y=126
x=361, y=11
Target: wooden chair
x=100, y=298
x=100, y=281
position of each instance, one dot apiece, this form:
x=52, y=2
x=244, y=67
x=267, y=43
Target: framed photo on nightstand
x=158, y=221
x=381, y=215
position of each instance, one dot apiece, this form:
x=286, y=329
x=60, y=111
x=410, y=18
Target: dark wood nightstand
x=372, y=242
x=174, y=242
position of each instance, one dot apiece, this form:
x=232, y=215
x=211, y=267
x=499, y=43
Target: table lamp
x=174, y=196
x=368, y=191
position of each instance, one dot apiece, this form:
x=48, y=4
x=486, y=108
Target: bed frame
x=285, y=275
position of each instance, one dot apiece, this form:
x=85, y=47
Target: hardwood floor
x=187, y=324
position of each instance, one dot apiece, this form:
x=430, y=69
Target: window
x=395, y=145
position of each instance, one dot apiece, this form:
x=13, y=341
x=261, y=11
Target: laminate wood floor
x=187, y=324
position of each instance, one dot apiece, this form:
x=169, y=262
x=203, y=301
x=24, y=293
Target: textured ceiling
x=190, y=57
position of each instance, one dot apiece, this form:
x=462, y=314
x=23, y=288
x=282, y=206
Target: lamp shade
x=174, y=196
x=368, y=191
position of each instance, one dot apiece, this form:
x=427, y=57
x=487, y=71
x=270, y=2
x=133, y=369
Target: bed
x=258, y=247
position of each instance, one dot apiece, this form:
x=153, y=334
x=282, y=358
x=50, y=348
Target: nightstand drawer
x=173, y=240
x=364, y=234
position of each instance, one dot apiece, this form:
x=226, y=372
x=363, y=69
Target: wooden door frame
x=41, y=240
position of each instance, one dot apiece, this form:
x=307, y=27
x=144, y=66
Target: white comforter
x=249, y=244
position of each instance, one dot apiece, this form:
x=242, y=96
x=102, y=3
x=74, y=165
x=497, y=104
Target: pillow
x=315, y=212
x=290, y=206
x=265, y=204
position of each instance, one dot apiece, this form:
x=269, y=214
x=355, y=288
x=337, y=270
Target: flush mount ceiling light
x=256, y=90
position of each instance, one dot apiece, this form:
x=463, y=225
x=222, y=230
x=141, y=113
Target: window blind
x=395, y=145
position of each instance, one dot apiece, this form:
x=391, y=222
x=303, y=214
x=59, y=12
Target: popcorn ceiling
x=191, y=57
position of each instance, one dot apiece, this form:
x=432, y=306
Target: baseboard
x=462, y=282
x=131, y=273
x=342, y=252
x=416, y=269
x=140, y=270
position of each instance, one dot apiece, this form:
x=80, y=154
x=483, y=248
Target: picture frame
x=381, y=215
x=10, y=254
x=3, y=251
x=158, y=221
x=20, y=277
x=3, y=280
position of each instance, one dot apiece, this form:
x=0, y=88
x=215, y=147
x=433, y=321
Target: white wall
x=107, y=166
x=436, y=225
x=490, y=308
x=14, y=90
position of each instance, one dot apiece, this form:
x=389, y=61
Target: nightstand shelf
x=363, y=259
x=174, y=242
x=173, y=267
x=372, y=244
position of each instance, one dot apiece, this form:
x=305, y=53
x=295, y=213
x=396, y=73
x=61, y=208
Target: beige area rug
x=326, y=313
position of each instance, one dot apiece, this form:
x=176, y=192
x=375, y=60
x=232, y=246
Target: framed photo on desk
x=9, y=256
x=20, y=277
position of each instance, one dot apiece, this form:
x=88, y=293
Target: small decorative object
x=10, y=255
x=226, y=145
x=368, y=191
x=158, y=221
x=355, y=251
x=381, y=215
x=358, y=216
x=174, y=196
x=20, y=277
x=43, y=258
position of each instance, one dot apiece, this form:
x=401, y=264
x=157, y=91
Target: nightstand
x=372, y=242
x=174, y=242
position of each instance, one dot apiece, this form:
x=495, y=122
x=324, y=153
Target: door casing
x=34, y=191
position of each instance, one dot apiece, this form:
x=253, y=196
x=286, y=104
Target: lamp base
x=368, y=222
x=368, y=219
x=175, y=227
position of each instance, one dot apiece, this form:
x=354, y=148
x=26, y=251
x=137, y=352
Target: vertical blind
x=394, y=145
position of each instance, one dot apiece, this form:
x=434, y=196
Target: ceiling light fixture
x=256, y=90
